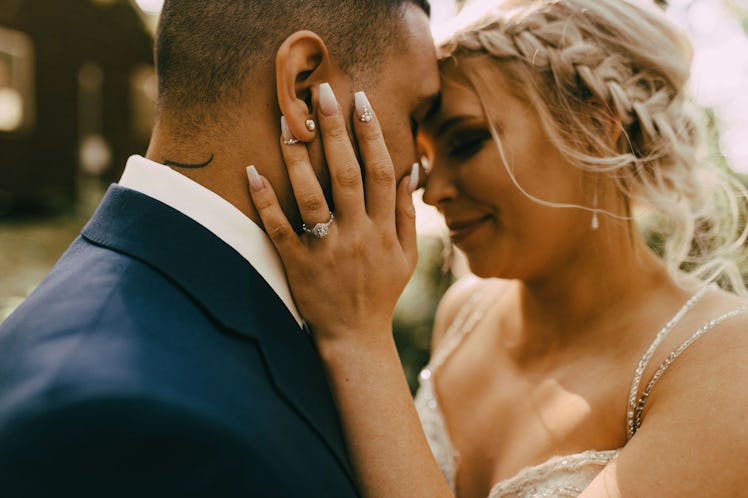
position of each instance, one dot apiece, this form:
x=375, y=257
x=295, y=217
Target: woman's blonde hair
x=584, y=64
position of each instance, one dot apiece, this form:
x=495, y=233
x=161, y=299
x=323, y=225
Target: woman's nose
x=439, y=187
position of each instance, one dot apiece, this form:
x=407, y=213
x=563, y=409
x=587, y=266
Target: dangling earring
x=595, y=221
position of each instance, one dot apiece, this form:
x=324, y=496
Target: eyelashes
x=465, y=145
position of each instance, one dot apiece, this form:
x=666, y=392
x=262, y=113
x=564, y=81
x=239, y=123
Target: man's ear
x=301, y=64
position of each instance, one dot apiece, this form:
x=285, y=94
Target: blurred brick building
x=76, y=95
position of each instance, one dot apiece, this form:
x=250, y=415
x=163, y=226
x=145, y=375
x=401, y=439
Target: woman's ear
x=302, y=63
x=607, y=125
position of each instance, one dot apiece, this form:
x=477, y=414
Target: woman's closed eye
x=466, y=144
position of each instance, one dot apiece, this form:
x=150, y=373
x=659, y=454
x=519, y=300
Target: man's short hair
x=206, y=49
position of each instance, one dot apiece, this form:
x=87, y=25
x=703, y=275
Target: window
x=16, y=82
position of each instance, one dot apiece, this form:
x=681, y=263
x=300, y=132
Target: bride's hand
x=346, y=283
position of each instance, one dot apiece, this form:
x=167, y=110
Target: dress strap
x=637, y=419
x=467, y=317
x=632, y=401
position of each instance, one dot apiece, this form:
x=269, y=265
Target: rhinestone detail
x=637, y=419
x=633, y=405
x=366, y=115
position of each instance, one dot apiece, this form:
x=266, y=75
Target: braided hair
x=583, y=65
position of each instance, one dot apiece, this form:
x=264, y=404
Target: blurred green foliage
x=414, y=315
x=740, y=10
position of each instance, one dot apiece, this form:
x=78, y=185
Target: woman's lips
x=459, y=230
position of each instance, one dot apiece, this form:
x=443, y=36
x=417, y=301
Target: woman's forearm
x=385, y=440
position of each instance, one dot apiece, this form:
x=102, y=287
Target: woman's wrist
x=359, y=333
x=338, y=349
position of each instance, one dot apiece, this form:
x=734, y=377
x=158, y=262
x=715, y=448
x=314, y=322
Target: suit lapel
x=229, y=289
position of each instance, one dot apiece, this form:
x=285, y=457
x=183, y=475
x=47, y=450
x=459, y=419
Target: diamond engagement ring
x=320, y=230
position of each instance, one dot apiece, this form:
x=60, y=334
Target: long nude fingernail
x=288, y=137
x=328, y=104
x=363, y=107
x=415, y=173
x=255, y=180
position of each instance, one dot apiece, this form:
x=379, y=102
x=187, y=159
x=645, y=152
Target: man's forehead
x=418, y=69
x=417, y=48
x=409, y=73
x=414, y=85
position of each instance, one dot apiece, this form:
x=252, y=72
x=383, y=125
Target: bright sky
x=720, y=70
x=150, y=6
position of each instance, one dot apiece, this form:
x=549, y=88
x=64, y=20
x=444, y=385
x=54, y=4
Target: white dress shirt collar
x=214, y=213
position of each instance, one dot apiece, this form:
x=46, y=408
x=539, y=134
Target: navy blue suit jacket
x=154, y=361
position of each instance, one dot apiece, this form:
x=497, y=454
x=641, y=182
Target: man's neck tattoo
x=191, y=166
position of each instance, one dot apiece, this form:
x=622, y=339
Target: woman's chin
x=490, y=263
x=483, y=268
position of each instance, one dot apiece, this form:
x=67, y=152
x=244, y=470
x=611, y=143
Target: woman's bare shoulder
x=723, y=328
x=693, y=437
x=457, y=296
x=711, y=353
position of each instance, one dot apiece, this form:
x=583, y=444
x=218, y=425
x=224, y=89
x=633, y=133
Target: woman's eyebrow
x=451, y=122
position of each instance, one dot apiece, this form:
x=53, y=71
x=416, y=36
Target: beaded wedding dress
x=560, y=476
